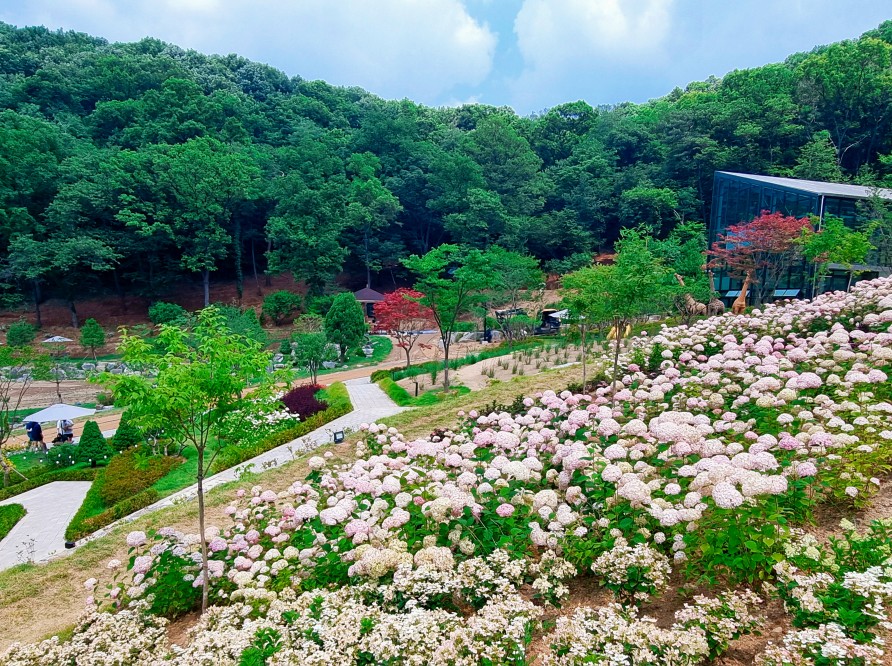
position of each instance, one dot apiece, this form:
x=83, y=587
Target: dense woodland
x=130, y=168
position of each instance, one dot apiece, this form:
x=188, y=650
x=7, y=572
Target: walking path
x=41, y=532
x=54, y=504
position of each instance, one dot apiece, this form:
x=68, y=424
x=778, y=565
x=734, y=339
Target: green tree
x=311, y=350
x=516, y=279
x=453, y=280
x=198, y=376
x=92, y=447
x=92, y=336
x=127, y=434
x=636, y=285
x=20, y=334
x=345, y=323
x=279, y=305
x=817, y=160
x=833, y=243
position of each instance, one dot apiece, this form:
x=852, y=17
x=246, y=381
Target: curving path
x=41, y=532
x=54, y=508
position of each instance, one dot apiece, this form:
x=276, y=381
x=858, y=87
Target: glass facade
x=740, y=198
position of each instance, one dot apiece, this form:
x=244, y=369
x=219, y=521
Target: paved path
x=41, y=532
x=370, y=403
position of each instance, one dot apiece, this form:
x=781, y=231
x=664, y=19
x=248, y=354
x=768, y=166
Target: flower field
x=703, y=469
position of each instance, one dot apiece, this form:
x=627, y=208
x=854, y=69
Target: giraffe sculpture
x=691, y=307
x=739, y=304
x=715, y=306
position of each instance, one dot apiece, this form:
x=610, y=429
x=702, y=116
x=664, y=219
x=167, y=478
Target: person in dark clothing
x=35, y=435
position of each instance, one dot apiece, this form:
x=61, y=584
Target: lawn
x=382, y=346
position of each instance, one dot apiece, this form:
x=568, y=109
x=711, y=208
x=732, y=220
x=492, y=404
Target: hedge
x=86, y=474
x=132, y=472
x=10, y=514
x=339, y=404
x=81, y=527
x=394, y=391
x=455, y=363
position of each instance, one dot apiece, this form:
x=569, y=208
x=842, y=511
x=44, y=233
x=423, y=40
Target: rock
x=329, y=365
x=278, y=358
x=279, y=366
x=117, y=371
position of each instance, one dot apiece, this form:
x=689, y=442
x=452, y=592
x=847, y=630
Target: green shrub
x=92, y=447
x=132, y=472
x=92, y=336
x=280, y=305
x=20, y=334
x=87, y=474
x=166, y=313
x=127, y=436
x=394, y=391
x=10, y=514
x=84, y=524
x=243, y=322
x=62, y=456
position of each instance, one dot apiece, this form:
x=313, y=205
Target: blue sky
x=529, y=54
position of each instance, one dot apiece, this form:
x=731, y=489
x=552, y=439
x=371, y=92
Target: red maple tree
x=401, y=316
x=763, y=249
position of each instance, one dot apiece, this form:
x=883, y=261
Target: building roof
x=817, y=187
x=366, y=295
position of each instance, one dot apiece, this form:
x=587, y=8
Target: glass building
x=741, y=197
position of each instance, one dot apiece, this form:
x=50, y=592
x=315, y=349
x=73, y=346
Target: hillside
x=127, y=168
x=639, y=522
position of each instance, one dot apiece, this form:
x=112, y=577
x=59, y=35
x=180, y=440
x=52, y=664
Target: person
x=65, y=428
x=35, y=435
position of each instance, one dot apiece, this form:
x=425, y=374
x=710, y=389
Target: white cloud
x=420, y=49
x=561, y=40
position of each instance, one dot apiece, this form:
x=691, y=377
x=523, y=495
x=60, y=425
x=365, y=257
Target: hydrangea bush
x=711, y=459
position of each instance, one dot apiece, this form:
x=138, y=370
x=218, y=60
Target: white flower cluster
x=633, y=572
x=825, y=644
x=618, y=635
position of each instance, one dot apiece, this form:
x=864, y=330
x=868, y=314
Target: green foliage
x=311, y=350
x=10, y=514
x=394, y=391
x=92, y=336
x=833, y=243
x=92, y=447
x=86, y=474
x=267, y=641
x=20, y=334
x=132, y=472
x=127, y=435
x=242, y=322
x=167, y=313
x=345, y=323
x=280, y=305
x=171, y=594
x=94, y=515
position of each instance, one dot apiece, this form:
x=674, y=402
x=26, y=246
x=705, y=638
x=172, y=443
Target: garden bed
x=10, y=514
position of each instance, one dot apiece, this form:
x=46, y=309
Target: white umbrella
x=560, y=314
x=58, y=412
x=57, y=338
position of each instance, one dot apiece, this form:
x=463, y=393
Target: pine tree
x=345, y=323
x=92, y=447
x=127, y=435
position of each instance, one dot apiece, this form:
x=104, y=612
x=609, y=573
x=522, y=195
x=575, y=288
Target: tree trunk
x=615, y=364
x=206, y=283
x=118, y=290
x=445, y=366
x=408, y=351
x=254, y=267
x=74, y=319
x=237, y=251
x=37, y=303
x=583, y=360
x=849, y=283
x=205, y=583
x=58, y=383
x=268, y=280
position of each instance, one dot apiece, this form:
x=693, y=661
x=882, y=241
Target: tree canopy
x=136, y=166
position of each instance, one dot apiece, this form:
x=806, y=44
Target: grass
x=180, y=477
x=382, y=346
x=10, y=514
x=404, y=399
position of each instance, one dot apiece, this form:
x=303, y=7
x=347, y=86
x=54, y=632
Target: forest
x=131, y=168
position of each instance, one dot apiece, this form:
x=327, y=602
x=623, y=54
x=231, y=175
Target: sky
x=528, y=54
